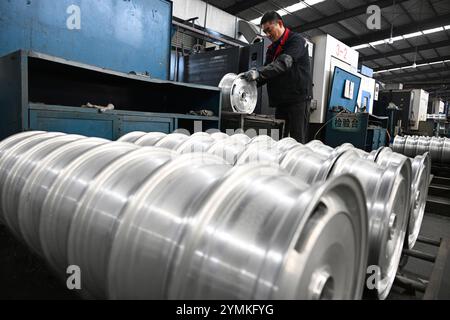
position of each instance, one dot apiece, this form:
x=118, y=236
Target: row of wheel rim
x=438, y=148
x=154, y=223
x=386, y=178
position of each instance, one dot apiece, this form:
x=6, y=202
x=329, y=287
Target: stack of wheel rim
x=154, y=223
x=438, y=148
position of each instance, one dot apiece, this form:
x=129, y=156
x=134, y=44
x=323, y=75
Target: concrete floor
x=25, y=276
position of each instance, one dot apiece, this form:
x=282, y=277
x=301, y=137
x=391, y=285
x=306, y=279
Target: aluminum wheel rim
x=40, y=182
x=239, y=95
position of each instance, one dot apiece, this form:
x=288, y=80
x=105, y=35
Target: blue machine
x=366, y=71
x=121, y=35
x=365, y=100
x=345, y=123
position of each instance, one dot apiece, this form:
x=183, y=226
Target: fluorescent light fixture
x=411, y=35
x=397, y=38
x=447, y=27
x=291, y=9
x=361, y=46
x=376, y=43
x=295, y=7
x=313, y=2
x=433, y=30
x=412, y=66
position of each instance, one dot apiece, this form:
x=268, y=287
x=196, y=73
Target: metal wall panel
x=125, y=36
x=13, y=92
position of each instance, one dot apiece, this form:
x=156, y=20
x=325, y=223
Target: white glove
x=251, y=75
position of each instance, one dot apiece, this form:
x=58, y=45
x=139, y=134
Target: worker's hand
x=251, y=75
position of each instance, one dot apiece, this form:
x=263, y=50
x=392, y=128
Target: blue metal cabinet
x=73, y=120
x=145, y=123
x=121, y=35
x=90, y=122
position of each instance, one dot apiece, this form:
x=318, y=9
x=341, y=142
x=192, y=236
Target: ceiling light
x=295, y=7
x=433, y=30
x=291, y=9
x=411, y=35
x=375, y=43
x=361, y=46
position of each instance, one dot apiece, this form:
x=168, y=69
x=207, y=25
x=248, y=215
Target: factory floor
x=433, y=227
x=25, y=276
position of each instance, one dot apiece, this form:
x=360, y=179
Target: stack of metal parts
x=151, y=223
x=385, y=176
x=438, y=148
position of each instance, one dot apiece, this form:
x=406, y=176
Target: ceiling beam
x=399, y=30
x=406, y=64
x=394, y=76
x=398, y=52
x=348, y=13
x=242, y=5
x=428, y=83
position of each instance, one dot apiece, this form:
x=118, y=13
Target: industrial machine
x=436, y=106
x=328, y=54
x=366, y=95
x=346, y=121
x=439, y=124
x=411, y=108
